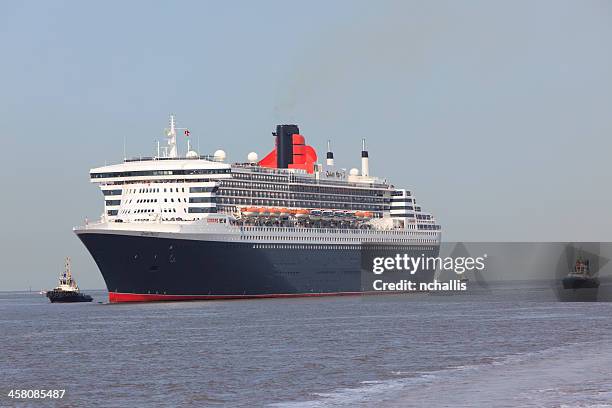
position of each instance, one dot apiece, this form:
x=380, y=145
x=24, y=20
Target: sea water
x=506, y=347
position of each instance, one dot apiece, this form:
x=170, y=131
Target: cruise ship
x=195, y=227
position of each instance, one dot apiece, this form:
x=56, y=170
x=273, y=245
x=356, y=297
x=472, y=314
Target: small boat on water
x=67, y=290
x=581, y=277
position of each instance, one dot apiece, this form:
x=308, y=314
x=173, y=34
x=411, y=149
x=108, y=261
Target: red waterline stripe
x=117, y=297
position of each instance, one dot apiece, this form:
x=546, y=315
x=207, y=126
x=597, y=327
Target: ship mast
x=171, y=134
x=68, y=272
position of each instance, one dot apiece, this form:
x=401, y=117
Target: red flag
x=186, y=132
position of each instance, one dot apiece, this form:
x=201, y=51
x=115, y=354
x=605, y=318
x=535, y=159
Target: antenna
x=124, y=147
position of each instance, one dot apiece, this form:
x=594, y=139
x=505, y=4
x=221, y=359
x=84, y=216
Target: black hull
x=141, y=268
x=580, y=283
x=67, y=297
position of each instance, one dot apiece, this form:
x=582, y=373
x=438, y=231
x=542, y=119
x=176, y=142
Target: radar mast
x=171, y=134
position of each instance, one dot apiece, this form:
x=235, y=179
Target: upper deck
x=153, y=169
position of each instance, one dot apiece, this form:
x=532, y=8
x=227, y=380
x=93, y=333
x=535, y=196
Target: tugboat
x=580, y=277
x=67, y=290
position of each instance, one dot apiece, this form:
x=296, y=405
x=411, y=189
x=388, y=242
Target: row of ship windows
x=233, y=208
x=301, y=188
x=249, y=176
x=202, y=199
x=207, y=210
x=404, y=207
x=420, y=226
x=300, y=196
x=336, y=190
x=159, y=190
x=154, y=200
x=293, y=177
x=155, y=190
x=400, y=193
x=332, y=246
x=142, y=210
x=418, y=216
x=158, y=181
x=342, y=247
x=136, y=211
x=429, y=227
x=401, y=200
x=333, y=239
x=300, y=202
x=159, y=173
x=303, y=204
x=164, y=219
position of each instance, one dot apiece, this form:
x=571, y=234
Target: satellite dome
x=354, y=172
x=192, y=154
x=220, y=155
x=252, y=157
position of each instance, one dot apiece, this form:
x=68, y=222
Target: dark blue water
x=512, y=347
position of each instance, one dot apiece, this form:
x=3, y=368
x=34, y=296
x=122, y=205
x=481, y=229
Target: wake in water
x=576, y=375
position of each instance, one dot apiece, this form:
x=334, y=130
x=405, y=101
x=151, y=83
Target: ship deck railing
x=208, y=157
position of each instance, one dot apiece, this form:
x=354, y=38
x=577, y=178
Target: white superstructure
x=197, y=195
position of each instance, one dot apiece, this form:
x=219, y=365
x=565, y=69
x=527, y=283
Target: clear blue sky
x=497, y=114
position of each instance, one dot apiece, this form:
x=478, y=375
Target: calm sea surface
x=508, y=347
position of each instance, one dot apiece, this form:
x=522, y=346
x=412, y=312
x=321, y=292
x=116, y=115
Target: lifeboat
x=263, y=212
x=315, y=215
x=284, y=212
x=249, y=211
x=274, y=212
x=359, y=214
x=368, y=214
x=339, y=214
x=301, y=213
x=327, y=214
